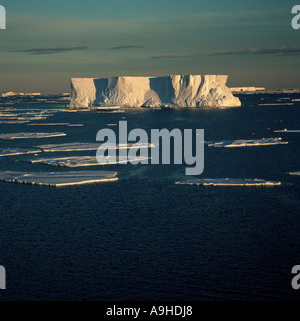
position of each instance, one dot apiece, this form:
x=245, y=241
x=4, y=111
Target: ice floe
x=229, y=182
x=80, y=161
x=17, y=151
x=246, y=143
x=30, y=135
x=13, y=122
x=70, y=147
x=59, y=179
x=49, y=124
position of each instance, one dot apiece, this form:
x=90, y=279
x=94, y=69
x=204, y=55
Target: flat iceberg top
x=59, y=179
x=229, y=182
x=17, y=151
x=79, y=161
x=246, y=143
x=30, y=135
x=168, y=91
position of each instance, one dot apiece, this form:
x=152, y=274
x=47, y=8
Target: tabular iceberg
x=169, y=91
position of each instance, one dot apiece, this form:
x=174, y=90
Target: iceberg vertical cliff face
x=169, y=91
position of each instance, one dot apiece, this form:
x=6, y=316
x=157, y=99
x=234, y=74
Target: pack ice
x=59, y=179
x=169, y=91
x=80, y=161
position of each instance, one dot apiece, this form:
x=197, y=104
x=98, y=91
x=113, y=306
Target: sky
x=48, y=42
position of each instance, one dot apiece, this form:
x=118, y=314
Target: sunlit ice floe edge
x=228, y=182
x=59, y=179
x=246, y=143
x=49, y=124
x=30, y=135
x=18, y=151
x=287, y=131
x=294, y=173
x=56, y=124
x=13, y=122
x=81, y=161
x=70, y=147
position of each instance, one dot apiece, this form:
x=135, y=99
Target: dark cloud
x=47, y=51
x=127, y=47
x=282, y=51
x=170, y=56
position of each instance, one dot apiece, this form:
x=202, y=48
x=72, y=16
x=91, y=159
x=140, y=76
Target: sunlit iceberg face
x=169, y=91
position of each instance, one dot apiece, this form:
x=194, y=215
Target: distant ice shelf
x=229, y=182
x=246, y=143
x=59, y=179
x=30, y=135
x=168, y=91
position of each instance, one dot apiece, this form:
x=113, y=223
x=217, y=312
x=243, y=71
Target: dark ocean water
x=145, y=238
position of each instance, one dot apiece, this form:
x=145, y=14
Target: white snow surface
x=30, y=135
x=59, y=179
x=229, y=182
x=246, y=143
x=169, y=91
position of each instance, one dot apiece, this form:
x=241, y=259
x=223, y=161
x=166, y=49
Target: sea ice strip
x=11, y=122
x=79, y=161
x=59, y=179
x=70, y=147
x=229, y=182
x=49, y=124
x=30, y=135
x=17, y=151
x=246, y=143
x=287, y=131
